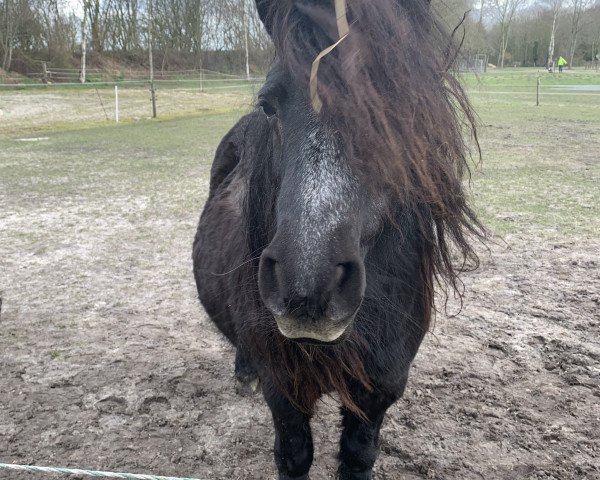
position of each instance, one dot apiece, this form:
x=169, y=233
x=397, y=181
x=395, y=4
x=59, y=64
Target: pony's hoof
x=246, y=387
x=344, y=473
x=283, y=476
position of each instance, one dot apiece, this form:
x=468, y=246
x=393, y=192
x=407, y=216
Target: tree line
x=224, y=35
x=185, y=33
x=528, y=33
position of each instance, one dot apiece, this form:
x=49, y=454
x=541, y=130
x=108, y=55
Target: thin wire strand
x=89, y=473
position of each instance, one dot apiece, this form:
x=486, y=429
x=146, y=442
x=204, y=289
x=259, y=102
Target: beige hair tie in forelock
x=343, y=32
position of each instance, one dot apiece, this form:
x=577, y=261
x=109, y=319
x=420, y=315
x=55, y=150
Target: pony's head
x=387, y=142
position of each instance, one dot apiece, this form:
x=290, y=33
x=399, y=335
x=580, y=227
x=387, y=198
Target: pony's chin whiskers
x=250, y=260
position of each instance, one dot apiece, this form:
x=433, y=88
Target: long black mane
x=390, y=93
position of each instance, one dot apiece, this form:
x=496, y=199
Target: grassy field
x=72, y=107
x=539, y=170
x=107, y=362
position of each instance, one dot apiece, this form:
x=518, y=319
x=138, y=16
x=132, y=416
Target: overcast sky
x=75, y=6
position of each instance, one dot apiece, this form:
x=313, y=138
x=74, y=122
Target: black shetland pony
x=325, y=232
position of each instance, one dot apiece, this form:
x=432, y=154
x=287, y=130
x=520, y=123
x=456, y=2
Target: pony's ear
x=265, y=13
x=268, y=8
x=226, y=159
x=227, y=156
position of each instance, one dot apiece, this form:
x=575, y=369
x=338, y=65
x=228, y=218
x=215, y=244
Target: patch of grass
x=46, y=110
x=101, y=181
x=514, y=78
x=73, y=158
x=540, y=172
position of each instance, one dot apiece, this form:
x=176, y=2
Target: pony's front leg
x=246, y=376
x=293, y=438
x=359, y=446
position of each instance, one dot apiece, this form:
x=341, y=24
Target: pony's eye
x=270, y=110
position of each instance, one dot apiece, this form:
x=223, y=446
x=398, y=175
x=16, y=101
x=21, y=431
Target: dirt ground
x=107, y=361
x=142, y=382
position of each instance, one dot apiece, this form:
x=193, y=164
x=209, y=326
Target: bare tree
x=150, y=56
x=578, y=7
x=59, y=30
x=555, y=6
x=504, y=12
x=85, y=5
x=7, y=33
x=123, y=29
x=593, y=34
x=98, y=12
x=481, y=9
x=246, y=50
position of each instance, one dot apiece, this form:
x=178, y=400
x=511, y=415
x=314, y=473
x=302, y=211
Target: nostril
x=349, y=288
x=269, y=265
x=344, y=274
x=268, y=272
x=269, y=278
x=340, y=271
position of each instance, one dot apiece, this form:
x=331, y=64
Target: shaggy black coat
x=391, y=107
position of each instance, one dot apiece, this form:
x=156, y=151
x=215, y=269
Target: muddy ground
x=107, y=361
x=143, y=382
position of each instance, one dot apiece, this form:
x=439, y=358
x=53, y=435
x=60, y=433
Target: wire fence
x=474, y=63
x=184, y=92
x=181, y=92
x=49, y=74
x=85, y=473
